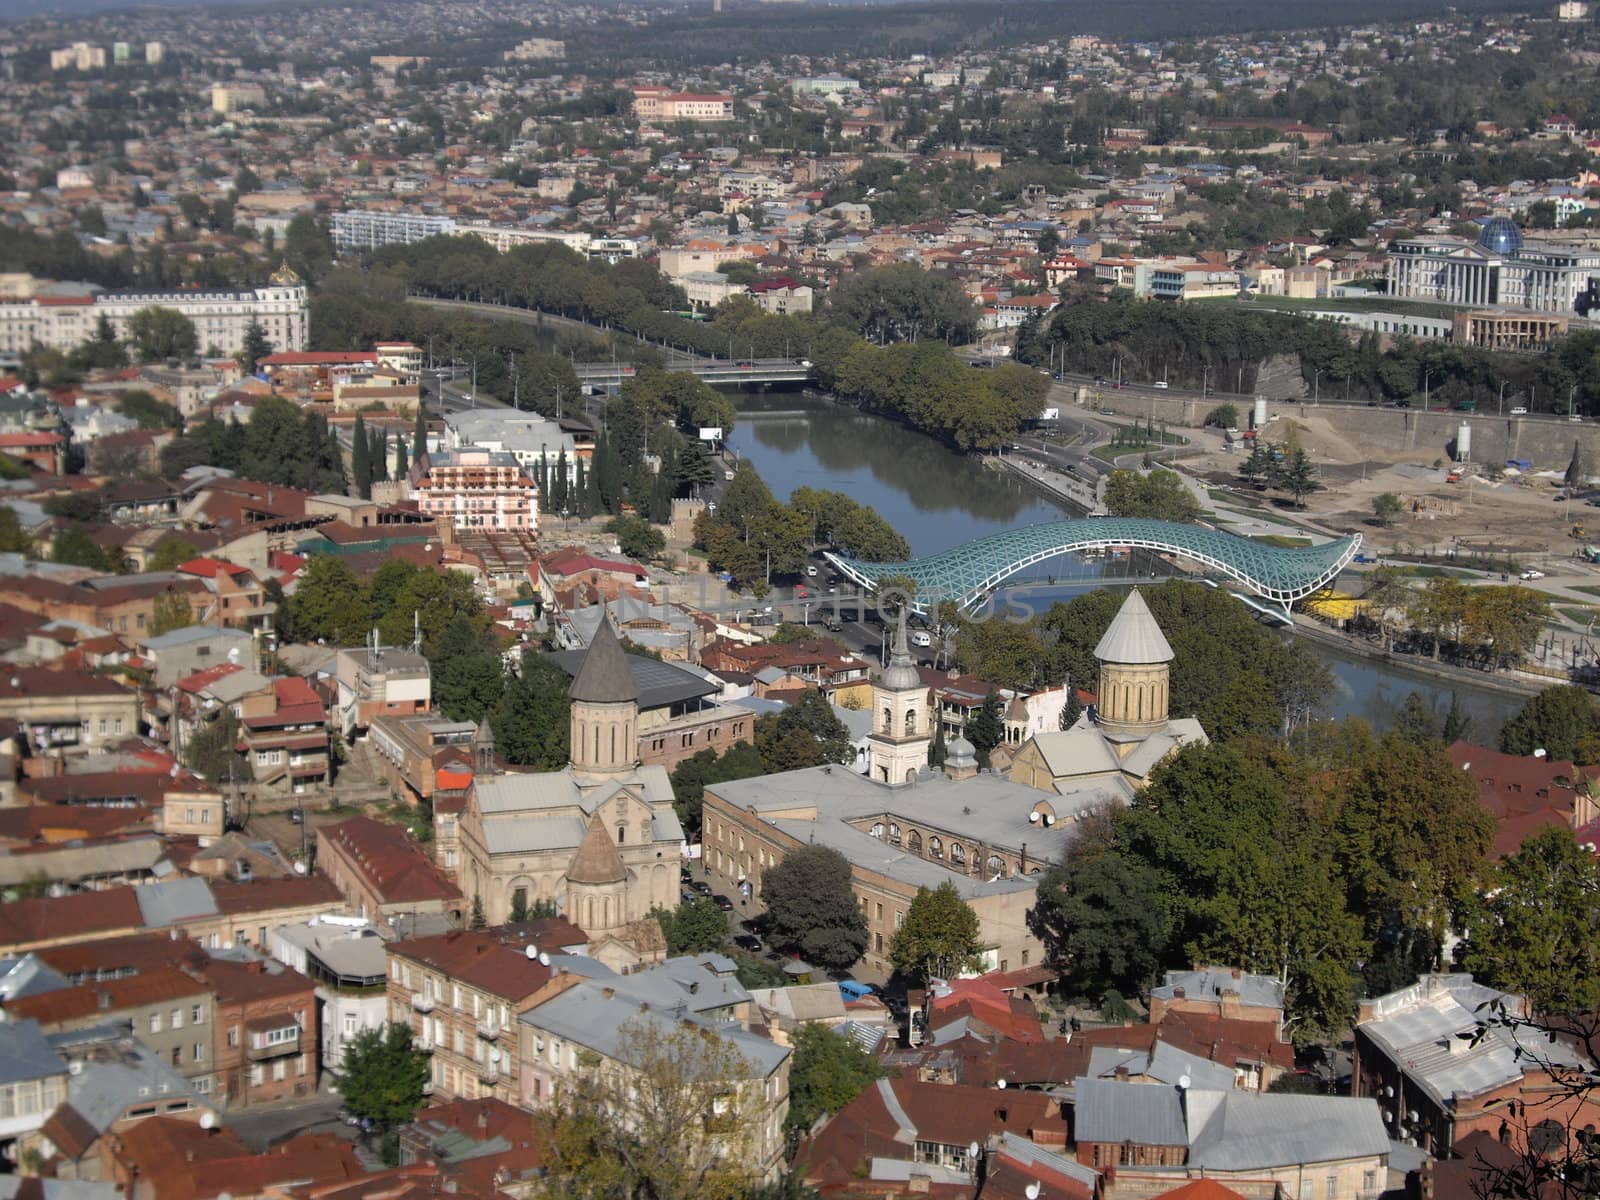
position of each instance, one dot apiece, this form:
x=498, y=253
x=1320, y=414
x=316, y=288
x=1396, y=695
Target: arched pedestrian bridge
x=969, y=573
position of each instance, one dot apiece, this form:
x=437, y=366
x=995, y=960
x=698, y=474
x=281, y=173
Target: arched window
x=914, y=842
x=911, y=721
x=894, y=833
x=935, y=848
x=877, y=830
x=622, y=834
x=888, y=719
x=994, y=866
x=958, y=854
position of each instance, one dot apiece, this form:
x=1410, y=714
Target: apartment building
x=461, y=993
x=344, y=958
x=288, y=747
x=67, y=708
x=265, y=1032
x=360, y=229
x=384, y=873
x=220, y=315
x=474, y=488
x=379, y=681
x=659, y=104
x=33, y=1082
x=168, y=1010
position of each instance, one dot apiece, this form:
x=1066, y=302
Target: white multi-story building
x=220, y=315
x=505, y=237
x=358, y=229
x=346, y=958
x=533, y=440
x=474, y=488
x=1497, y=269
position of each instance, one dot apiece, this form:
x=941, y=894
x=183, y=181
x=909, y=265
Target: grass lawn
x=1278, y=539
x=1578, y=616
x=1587, y=591
x=1267, y=515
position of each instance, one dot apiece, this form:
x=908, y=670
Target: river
x=938, y=499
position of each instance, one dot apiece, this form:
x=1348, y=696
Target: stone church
x=599, y=838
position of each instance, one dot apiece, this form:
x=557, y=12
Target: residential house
x=67, y=707
x=33, y=1083
x=383, y=872
x=288, y=748
x=380, y=680
x=264, y=1043
x=345, y=958
x=460, y=993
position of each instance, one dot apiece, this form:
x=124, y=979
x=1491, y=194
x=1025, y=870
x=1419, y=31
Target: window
x=233, y=1035
x=349, y=1024
x=1331, y=1187
x=899, y=919
x=197, y=1014
x=879, y=940
x=199, y=1054
x=622, y=834
x=155, y=1022
x=914, y=842
x=935, y=848
x=177, y=1018
x=258, y=1075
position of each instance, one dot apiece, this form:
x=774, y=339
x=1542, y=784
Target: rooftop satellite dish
x=532, y=952
x=1033, y=818
x=972, y=1150
x=1031, y=1191
x=1183, y=1083
x=208, y=1120
x=1001, y=1084
x=544, y=959
x=299, y=868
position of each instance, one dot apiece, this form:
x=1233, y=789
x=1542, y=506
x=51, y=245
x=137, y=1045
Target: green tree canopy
x=382, y=1077
x=696, y=926
x=826, y=1072
x=811, y=908
x=159, y=333
x=1563, y=721
x=939, y=938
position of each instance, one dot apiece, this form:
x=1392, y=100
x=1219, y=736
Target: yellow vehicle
x=1577, y=532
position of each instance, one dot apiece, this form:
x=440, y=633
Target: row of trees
x=1287, y=468
x=1157, y=494
x=921, y=382
x=753, y=537
x=280, y=443
x=1491, y=625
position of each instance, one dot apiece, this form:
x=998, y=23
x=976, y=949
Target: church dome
x=961, y=753
x=1500, y=236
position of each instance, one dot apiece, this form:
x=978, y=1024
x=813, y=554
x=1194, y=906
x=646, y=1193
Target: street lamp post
x=1427, y=379
x=1316, y=386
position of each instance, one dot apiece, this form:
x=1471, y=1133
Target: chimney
x=608, y=993
x=1236, y=972
x=918, y=1185
x=1178, y=993
x=1122, y=1074
x=483, y=1118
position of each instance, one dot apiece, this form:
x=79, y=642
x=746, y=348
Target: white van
x=921, y=637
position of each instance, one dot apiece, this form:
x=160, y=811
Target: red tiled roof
x=250, y=982
x=137, y=952
x=133, y=991
x=1524, y=794
x=17, y=682
x=391, y=862
x=74, y=916
x=486, y=960
x=265, y=895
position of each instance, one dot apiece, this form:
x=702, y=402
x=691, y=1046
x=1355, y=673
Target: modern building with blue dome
x=1501, y=236
x=1499, y=270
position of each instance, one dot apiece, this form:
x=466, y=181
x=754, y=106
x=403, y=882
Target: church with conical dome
x=1116, y=743
x=600, y=838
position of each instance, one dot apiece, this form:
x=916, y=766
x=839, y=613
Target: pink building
x=473, y=488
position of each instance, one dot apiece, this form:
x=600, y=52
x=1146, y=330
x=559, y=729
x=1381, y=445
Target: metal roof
x=969, y=572
x=1146, y=1114
x=1133, y=637
x=658, y=683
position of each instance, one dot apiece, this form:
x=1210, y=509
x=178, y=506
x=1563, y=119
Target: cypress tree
x=401, y=466
x=558, y=482
x=361, y=458
x=419, y=435
x=379, y=456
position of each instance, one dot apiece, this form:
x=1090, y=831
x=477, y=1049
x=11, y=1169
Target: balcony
x=489, y=1031
x=489, y=1073
x=421, y=1002
x=274, y=1044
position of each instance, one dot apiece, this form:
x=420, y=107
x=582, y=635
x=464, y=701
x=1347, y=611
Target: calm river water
x=939, y=499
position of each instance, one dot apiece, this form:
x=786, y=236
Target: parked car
x=722, y=902
x=748, y=941
x=296, y=817
x=701, y=887
x=1530, y=573
x=1519, y=411
x=922, y=638
x=1160, y=383
x=811, y=569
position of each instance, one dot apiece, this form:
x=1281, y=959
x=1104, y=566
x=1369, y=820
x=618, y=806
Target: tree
x=172, y=611
x=419, y=435
x=159, y=333
x=1505, y=621
x=1297, y=476
x=467, y=675
x=1562, y=721
x=670, y=1116
x=1457, y=724
x=361, y=458
x=328, y=604
x=75, y=547
x=696, y=926
x=383, y=1078
x=811, y=908
x=256, y=346
x=308, y=248
x=826, y=1072
x=1101, y=921
x=987, y=728
x=477, y=920
x=1223, y=416
x=214, y=752
x=1536, y=932
x=13, y=538
x=1414, y=722
x=806, y=733
x=638, y=538
x=1386, y=506
x=532, y=720
x=1575, y=468
x=1159, y=495
x=939, y=938
x=689, y=779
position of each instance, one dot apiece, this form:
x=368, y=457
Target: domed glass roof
x=1500, y=236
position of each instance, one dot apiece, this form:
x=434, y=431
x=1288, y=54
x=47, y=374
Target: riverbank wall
x=1442, y=673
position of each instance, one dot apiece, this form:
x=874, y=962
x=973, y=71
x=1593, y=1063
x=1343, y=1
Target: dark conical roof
x=597, y=860
x=605, y=677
